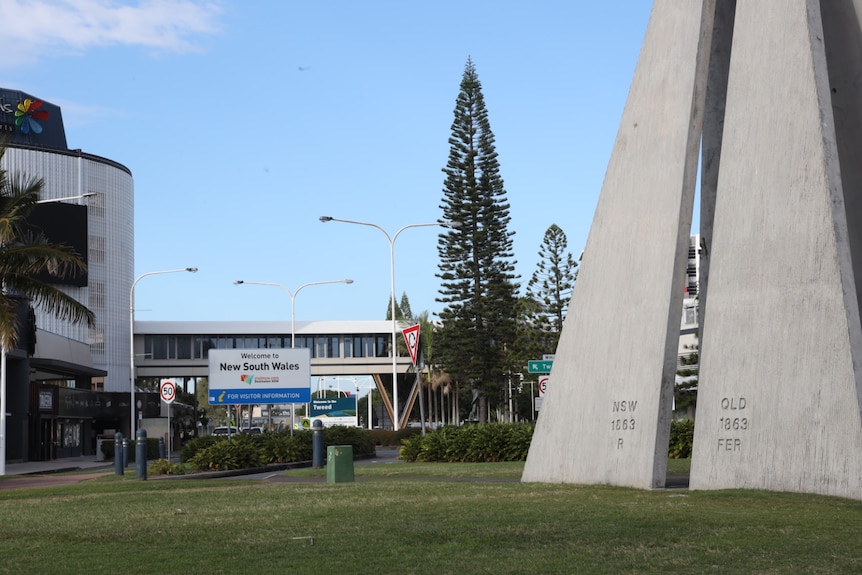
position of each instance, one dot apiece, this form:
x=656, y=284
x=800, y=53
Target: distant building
x=690, y=322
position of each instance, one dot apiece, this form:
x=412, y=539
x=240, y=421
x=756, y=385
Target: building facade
x=68, y=383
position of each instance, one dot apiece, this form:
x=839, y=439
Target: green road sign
x=539, y=366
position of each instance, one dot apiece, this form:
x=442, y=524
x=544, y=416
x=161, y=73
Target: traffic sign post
x=411, y=338
x=543, y=385
x=168, y=392
x=539, y=366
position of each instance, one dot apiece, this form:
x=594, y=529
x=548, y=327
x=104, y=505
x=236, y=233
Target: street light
x=3, y=360
x=293, y=295
x=67, y=198
x=391, y=240
x=132, y=340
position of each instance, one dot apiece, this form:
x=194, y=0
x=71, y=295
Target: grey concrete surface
x=606, y=413
x=779, y=388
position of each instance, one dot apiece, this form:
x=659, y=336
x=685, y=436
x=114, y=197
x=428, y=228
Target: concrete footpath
x=33, y=474
x=83, y=463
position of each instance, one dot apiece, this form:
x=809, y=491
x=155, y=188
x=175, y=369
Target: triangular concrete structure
x=606, y=414
x=781, y=346
x=780, y=389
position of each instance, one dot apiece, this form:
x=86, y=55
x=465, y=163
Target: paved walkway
x=82, y=463
x=52, y=473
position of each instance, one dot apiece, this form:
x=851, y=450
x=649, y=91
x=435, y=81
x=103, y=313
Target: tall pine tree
x=550, y=288
x=478, y=284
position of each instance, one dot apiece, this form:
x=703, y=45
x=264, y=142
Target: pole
x=132, y=405
x=532, y=402
x=3, y=408
x=511, y=415
x=170, y=434
x=391, y=239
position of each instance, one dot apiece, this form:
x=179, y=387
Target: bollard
x=126, y=448
x=118, y=453
x=161, y=448
x=318, y=455
x=141, y=455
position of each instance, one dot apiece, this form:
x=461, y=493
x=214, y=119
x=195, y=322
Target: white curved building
x=110, y=249
x=73, y=382
x=109, y=188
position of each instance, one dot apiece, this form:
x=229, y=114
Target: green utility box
x=339, y=464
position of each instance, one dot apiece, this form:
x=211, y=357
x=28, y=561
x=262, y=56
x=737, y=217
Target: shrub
x=192, y=447
x=359, y=438
x=239, y=453
x=282, y=448
x=164, y=467
x=681, y=438
x=411, y=448
x=471, y=443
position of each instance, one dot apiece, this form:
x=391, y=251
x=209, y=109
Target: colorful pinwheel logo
x=28, y=115
x=247, y=378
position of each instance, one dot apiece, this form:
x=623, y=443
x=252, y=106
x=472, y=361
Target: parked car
x=224, y=431
x=252, y=430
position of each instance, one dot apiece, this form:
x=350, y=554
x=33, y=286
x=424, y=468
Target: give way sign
x=411, y=338
x=167, y=390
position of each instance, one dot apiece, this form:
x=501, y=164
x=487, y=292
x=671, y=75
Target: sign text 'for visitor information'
x=253, y=376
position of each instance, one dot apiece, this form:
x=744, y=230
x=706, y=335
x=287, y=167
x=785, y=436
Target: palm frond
x=25, y=256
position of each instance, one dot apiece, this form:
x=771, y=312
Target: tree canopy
x=550, y=288
x=478, y=283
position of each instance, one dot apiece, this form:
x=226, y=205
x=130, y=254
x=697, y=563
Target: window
x=304, y=342
x=97, y=341
x=201, y=345
x=184, y=347
x=382, y=346
x=97, y=295
x=96, y=205
x=326, y=346
x=96, y=249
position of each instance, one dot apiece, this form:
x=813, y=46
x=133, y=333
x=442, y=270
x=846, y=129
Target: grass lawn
x=418, y=519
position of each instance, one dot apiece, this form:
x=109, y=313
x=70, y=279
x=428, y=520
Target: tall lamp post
x=133, y=406
x=293, y=295
x=64, y=199
x=391, y=239
x=4, y=350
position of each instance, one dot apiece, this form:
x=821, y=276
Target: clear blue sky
x=243, y=121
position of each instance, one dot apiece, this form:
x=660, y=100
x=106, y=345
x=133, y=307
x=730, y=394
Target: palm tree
x=25, y=254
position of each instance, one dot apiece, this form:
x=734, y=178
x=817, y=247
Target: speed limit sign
x=543, y=385
x=167, y=390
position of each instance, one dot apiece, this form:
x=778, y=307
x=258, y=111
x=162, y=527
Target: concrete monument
x=772, y=91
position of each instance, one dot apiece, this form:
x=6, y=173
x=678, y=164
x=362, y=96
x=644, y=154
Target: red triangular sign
x=411, y=336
